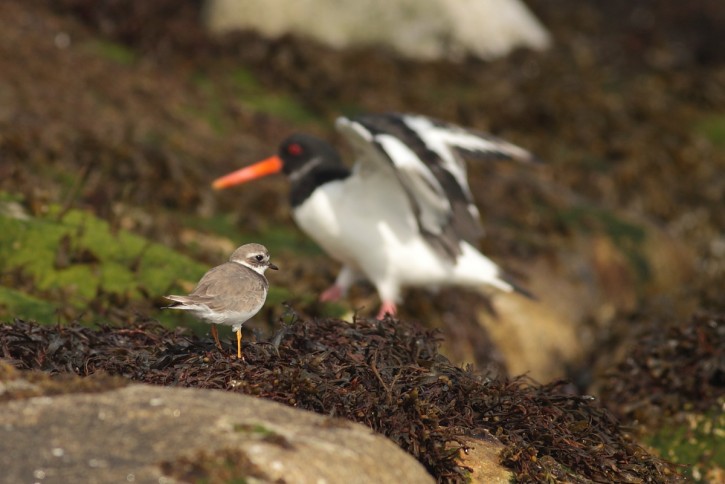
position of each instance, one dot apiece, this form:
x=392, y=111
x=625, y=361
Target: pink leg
x=388, y=307
x=215, y=334
x=332, y=293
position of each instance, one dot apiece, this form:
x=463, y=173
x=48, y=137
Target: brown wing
x=229, y=286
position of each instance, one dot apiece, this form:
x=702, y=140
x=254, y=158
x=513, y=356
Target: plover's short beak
x=273, y=267
x=271, y=165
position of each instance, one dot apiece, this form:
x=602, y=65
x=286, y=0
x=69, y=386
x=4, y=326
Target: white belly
x=367, y=223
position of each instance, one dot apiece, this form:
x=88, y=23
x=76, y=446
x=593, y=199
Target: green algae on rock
x=78, y=256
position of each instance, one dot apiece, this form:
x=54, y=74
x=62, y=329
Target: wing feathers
x=427, y=157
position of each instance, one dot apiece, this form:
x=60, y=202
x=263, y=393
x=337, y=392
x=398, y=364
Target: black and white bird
x=404, y=216
x=230, y=293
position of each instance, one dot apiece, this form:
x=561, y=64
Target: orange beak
x=271, y=165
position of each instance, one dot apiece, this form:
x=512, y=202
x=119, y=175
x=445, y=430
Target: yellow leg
x=215, y=335
x=239, y=344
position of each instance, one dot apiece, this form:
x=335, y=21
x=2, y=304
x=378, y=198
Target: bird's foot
x=386, y=308
x=332, y=293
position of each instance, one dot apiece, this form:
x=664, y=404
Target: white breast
x=366, y=222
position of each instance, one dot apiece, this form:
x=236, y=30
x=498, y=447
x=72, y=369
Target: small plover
x=231, y=293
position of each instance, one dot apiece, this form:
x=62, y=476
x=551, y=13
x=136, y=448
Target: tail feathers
x=177, y=302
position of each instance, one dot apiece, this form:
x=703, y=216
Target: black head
x=300, y=153
x=307, y=161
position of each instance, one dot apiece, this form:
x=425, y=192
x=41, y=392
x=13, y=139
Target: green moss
x=590, y=219
x=255, y=96
x=713, y=128
x=698, y=442
x=626, y=236
x=78, y=256
x=21, y=305
x=112, y=51
x=280, y=105
x=70, y=261
x=242, y=84
x=244, y=79
x=213, y=104
x=276, y=238
x=598, y=164
x=10, y=197
x=257, y=429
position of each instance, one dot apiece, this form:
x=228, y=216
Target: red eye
x=294, y=149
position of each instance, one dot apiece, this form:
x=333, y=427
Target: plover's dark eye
x=259, y=257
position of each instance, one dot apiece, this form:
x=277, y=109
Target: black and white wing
x=428, y=158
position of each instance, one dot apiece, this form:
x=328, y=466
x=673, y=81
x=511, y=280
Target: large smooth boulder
x=143, y=433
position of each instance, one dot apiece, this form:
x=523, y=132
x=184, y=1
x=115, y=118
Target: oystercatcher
x=404, y=215
x=231, y=293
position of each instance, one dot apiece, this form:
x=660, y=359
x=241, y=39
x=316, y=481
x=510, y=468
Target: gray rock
x=143, y=433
